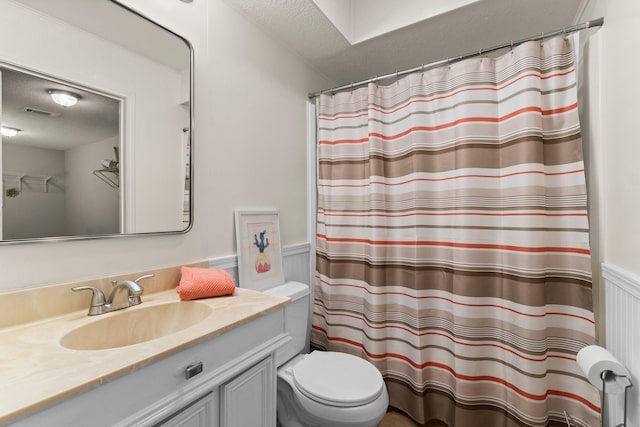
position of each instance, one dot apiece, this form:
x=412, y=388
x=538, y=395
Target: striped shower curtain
x=452, y=242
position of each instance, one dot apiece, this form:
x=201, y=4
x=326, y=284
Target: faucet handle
x=146, y=276
x=97, y=299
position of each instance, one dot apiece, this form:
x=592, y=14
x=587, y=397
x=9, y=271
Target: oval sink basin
x=134, y=326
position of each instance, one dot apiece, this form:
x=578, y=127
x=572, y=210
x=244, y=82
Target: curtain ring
x=397, y=79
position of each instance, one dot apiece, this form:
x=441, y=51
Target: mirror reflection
x=46, y=169
x=96, y=121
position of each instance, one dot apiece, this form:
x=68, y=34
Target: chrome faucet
x=101, y=305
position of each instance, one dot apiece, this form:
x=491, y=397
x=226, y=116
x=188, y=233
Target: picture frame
x=259, y=249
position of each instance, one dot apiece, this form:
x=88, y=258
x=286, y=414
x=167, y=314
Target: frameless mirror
x=96, y=117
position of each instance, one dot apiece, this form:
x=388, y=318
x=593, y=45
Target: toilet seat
x=337, y=379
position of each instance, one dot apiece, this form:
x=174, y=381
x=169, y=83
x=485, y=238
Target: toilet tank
x=296, y=318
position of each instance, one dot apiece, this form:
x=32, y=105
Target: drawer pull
x=193, y=370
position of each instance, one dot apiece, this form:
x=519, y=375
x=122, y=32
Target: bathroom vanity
x=218, y=371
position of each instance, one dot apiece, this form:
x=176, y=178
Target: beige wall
x=249, y=148
x=612, y=130
x=621, y=132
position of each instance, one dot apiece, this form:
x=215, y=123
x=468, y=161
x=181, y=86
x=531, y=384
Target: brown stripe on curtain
x=463, y=155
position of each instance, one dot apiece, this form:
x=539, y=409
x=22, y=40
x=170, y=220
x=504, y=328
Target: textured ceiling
x=487, y=23
x=360, y=20
x=94, y=119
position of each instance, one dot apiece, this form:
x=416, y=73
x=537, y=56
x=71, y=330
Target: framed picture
x=259, y=249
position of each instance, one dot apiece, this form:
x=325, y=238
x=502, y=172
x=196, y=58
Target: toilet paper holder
x=611, y=376
x=601, y=368
x=605, y=376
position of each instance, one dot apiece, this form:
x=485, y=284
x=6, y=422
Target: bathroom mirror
x=97, y=122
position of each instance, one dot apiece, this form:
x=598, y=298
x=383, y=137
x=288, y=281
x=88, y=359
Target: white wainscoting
x=296, y=264
x=295, y=260
x=623, y=338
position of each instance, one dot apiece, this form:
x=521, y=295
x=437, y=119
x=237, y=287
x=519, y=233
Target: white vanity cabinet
x=236, y=387
x=246, y=400
x=250, y=398
x=201, y=413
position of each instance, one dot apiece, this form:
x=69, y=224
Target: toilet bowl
x=323, y=388
x=330, y=389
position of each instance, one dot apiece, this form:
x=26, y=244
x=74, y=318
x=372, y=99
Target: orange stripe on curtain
x=453, y=239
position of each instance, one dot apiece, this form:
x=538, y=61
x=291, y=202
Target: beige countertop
x=36, y=370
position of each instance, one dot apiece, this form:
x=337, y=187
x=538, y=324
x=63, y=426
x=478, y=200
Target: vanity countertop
x=36, y=370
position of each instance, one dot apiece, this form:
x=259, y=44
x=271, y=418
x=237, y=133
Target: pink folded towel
x=198, y=283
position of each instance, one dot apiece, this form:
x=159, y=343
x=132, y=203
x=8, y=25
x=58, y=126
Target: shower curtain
x=452, y=239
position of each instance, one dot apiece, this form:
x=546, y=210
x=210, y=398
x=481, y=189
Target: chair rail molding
x=295, y=259
x=621, y=278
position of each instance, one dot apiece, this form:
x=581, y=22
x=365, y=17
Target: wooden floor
x=396, y=419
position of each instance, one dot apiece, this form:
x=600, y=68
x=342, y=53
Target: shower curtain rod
x=568, y=30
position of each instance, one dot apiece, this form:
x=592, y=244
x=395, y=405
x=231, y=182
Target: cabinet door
x=250, y=398
x=201, y=413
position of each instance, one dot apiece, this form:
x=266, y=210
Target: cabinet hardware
x=193, y=370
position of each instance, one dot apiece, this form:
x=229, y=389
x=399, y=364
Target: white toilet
x=323, y=389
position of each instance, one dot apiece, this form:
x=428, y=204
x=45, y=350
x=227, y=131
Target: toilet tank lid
x=293, y=290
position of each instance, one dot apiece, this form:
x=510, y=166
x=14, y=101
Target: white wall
x=612, y=130
x=617, y=147
x=369, y=22
x=621, y=127
x=92, y=206
x=154, y=179
x=33, y=212
x=249, y=152
x=360, y=20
